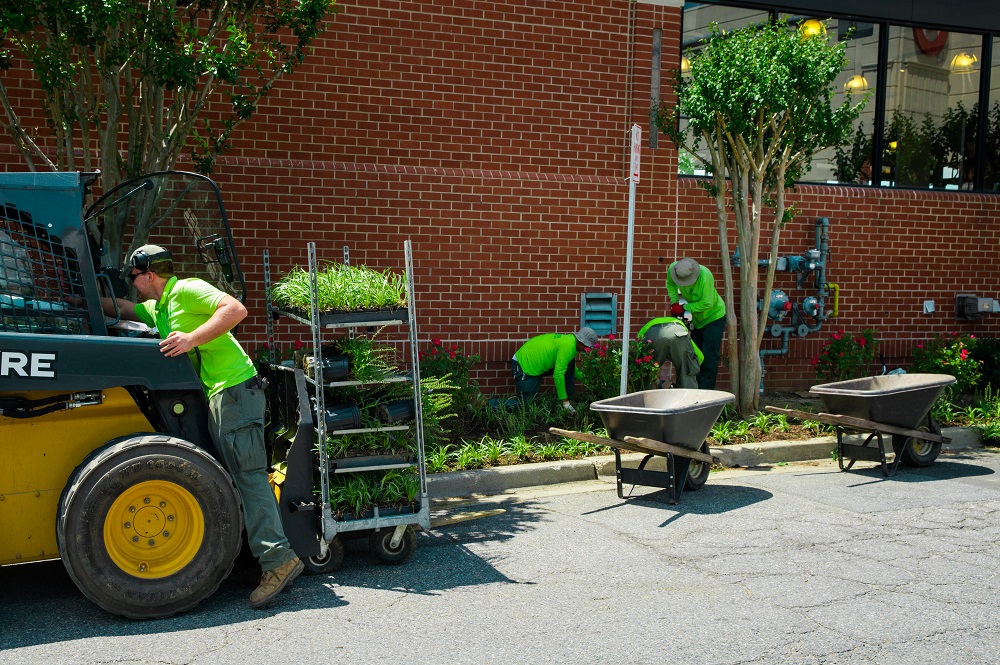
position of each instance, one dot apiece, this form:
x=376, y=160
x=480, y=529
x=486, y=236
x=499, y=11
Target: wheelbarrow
x=670, y=423
x=896, y=404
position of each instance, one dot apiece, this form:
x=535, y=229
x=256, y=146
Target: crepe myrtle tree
x=128, y=83
x=756, y=106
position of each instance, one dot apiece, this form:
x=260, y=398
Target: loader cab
x=177, y=210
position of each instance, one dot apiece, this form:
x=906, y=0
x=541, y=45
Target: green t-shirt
x=674, y=321
x=703, y=301
x=551, y=352
x=186, y=304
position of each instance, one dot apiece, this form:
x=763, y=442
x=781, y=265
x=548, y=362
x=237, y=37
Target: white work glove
x=568, y=406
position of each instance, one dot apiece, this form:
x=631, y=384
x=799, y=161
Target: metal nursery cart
x=894, y=404
x=672, y=423
x=298, y=429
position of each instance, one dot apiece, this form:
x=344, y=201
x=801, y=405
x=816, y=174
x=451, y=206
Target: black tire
x=698, y=472
x=334, y=559
x=920, y=452
x=149, y=526
x=379, y=544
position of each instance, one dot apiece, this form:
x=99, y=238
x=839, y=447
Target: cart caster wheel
x=697, y=472
x=920, y=452
x=380, y=545
x=323, y=565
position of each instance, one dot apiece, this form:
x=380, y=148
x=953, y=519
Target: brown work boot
x=273, y=581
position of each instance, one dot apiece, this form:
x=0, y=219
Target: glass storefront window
x=991, y=175
x=698, y=17
x=931, y=109
x=850, y=163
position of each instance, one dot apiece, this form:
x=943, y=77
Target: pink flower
x=920, y=345
x=972, y=337
x=964, y=354
x=638, y=361
x=836, y=335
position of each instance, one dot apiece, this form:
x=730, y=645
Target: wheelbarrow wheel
x=698, y=472
x=331, y=562
x=920, y=452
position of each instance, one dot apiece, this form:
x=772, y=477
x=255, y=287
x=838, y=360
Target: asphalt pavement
x=786, y=562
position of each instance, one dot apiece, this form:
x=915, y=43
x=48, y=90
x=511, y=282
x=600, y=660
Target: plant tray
x=372, y=316
x=371, y=463
x=386, y=511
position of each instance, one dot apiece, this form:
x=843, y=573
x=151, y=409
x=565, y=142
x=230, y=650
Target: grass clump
x=341, y=288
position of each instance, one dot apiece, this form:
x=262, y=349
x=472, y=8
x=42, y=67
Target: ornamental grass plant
x=341, y=288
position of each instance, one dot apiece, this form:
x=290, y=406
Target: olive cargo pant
x=236, y=421
x=671, y=341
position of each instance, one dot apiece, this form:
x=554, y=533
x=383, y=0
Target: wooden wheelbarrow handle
x=859, y=423
x=638, y=444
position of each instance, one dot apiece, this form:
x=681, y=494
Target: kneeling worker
x=672, y=341
x=550, y=354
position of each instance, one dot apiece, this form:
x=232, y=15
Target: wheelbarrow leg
x=618, y=472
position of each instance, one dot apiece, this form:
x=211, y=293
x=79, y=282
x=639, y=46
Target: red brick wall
x=495, y=137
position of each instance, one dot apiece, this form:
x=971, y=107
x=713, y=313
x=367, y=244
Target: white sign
x=636, y=151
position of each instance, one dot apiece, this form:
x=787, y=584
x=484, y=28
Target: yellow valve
x=836, y=297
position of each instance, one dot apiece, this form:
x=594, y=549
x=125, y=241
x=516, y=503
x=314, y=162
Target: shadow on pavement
x=43, y=606
x=709, y=500
x=936, y=471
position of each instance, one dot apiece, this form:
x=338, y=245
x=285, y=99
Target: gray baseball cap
x=586, y=336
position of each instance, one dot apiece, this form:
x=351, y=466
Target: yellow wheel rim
x=154, y=529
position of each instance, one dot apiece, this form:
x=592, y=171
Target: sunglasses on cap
x=141, y=260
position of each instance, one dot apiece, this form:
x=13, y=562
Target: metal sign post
x=633, y=179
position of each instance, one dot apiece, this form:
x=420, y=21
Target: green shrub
x=846, y=355
x=987, y=349
x=451, y=361
x=601, y=367
x=950, y=353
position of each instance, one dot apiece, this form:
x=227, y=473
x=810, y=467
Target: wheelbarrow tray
x=902, y=400
x=681, y=416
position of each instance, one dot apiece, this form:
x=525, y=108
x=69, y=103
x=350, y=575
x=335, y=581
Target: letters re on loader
x=108, y=460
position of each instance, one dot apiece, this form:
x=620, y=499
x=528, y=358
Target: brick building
x=495, y=136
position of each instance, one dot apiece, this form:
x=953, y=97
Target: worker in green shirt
x=195, y=319
x=671, y=341
x=550, y=354
x=696, y=285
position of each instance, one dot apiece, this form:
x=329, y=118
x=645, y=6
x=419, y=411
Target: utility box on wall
x=969, y=306
x=600, y=312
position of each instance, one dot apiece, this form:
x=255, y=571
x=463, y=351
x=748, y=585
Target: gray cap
x=586, y=336
x=685, y=272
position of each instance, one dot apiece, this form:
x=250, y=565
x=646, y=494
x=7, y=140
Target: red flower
x=862, y=341
x=964, y=354
x=451, y=354
x=836, y=335
x=920, y=345
x=647, y=358
x=436, y=342
x=814, y=361
x=454, y=347
x=298, y=344
x=611, y=336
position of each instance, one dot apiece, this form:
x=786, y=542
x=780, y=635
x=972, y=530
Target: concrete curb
x=502, y=479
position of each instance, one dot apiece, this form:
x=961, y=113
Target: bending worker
x=672, y=341
x=550, y=354
x=686, y=279
x=194, y=318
